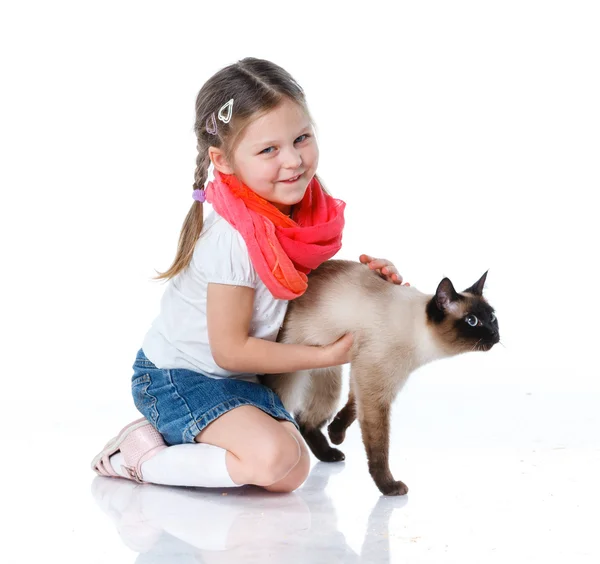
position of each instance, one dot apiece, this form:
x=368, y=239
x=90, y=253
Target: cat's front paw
x=332, y=455
x=336, y=432
x=393, y=488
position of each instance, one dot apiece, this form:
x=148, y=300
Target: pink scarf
x=282, y=250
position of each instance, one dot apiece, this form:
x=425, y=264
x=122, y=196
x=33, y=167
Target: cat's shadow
x=230, y=525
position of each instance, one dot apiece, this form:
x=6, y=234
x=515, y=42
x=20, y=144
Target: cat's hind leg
x=317, y=442
x=343, y=420
x=321, y=398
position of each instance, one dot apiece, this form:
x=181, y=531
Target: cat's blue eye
x=472, y=320
x=493, y=318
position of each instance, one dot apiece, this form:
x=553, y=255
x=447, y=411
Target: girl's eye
x=472, y=320
x=298, y=140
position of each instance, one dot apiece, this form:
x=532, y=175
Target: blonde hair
x=257, y=87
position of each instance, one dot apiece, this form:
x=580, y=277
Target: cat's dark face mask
x=463, y=321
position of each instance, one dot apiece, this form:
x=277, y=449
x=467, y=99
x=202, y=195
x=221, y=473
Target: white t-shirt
x=178, y=337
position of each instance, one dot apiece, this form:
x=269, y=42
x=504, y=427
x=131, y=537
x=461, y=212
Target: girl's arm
x=229, y=312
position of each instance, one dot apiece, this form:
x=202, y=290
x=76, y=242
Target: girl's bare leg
x=261, y=450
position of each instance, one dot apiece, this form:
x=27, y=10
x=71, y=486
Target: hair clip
x=227, y=107
x=211, y=124
x=199, y=195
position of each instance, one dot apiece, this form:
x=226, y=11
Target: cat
x=396, y=330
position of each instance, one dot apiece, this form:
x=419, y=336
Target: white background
x=464, y=136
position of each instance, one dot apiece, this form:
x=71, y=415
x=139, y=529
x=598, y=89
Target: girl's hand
x=384, y=268
x=339, y=352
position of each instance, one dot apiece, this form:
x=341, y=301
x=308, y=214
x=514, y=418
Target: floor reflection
x=182, y=525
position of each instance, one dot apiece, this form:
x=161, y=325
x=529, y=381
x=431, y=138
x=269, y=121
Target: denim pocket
x=143, y=399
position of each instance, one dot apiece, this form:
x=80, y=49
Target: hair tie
x=199, y=195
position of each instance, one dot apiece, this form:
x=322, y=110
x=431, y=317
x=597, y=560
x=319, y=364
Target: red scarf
x=282, y=250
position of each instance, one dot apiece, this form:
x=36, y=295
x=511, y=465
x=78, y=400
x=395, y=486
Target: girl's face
x=275, y=148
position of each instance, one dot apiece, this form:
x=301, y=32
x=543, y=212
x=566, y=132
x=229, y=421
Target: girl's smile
x=293, y=179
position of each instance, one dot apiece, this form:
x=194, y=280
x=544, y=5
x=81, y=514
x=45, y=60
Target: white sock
x=194, y=465
x=116, y=461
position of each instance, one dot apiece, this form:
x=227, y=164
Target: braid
x=192, y=225
x=202, y=164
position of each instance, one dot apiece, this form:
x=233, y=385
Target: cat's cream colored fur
x=393, y=336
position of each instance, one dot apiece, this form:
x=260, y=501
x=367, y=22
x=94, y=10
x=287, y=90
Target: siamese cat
x=396, y=330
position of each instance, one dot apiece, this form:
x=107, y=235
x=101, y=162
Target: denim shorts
x=180, y=403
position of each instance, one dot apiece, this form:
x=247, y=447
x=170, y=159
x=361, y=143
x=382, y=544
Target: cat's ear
x=477, y=288
x=446, y=297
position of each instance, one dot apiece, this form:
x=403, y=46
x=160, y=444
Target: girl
x=195, y=376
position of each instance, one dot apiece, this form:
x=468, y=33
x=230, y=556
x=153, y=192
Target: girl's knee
x=276, y=458
x=295, y=478
x=300, y=472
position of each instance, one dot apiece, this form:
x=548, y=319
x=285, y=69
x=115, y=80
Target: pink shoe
x=138, y=442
